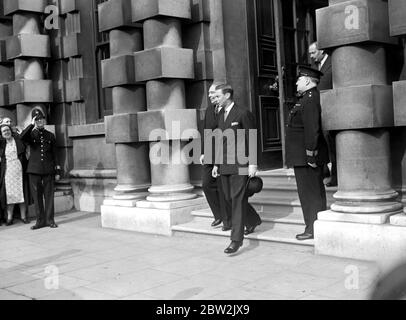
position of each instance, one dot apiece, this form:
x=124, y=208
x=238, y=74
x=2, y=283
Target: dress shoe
x=226, y=228
x=216, y=223
x=53, y=225
x=233, y=247
x=36, y=227
x=332, y=182
x=25, y=221
x=304, y=236
x=9, y=222
x=251, y=229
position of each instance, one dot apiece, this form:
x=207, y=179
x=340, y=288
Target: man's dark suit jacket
x=42, y=150
x=227, y=159
x=210, y=124
x=326, y=81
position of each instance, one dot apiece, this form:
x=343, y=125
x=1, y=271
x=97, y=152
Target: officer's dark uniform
x=305, y=144
x=41, y=171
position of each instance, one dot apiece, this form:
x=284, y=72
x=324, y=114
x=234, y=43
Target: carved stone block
x=173, y=124
x=352, y=22
x=121, y=128
x=12, y=6
x=164, y=62
x=117, y=71
x=115, y=14
x=146, y=9
x=27, y=91
x=28, y=45
x=357, y=107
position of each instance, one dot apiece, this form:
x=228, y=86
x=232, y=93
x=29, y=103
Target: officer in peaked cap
x=306, y=148
x=42, y=166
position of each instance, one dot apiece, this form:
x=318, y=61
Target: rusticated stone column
x=133, y=171
x=164, y=65
x=6, y=67
x=397, y=23
x=360, y=107
x=28, y=48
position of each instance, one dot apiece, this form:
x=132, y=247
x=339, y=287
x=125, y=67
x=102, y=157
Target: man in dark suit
x=306, y=149
x=212, y=187
x=322, y=62
x=232, y=166
x=41, y=169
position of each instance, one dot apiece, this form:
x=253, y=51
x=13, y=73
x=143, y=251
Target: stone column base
x=369, y=238
x=149, y=217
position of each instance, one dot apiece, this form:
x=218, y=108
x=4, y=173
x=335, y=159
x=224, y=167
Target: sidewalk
x=87, y=262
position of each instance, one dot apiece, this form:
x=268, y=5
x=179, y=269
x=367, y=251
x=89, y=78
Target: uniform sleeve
x=54, y=150
x=26, y=134
x=312, y=130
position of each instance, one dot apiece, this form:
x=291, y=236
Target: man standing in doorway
x=41, y=169
x=235, y=124
x=322, y=62
x=306, y=149
x=212, y=186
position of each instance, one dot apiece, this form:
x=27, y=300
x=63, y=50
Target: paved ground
x=80, y=260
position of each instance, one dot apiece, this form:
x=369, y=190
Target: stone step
x=287, y=191
x=279, y=176
x=280, y=205
x=277, y=217
x=266, y=232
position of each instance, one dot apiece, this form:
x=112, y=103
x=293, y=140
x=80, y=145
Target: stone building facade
x=110, y=73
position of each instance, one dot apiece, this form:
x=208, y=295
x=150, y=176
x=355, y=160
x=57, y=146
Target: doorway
x=280, y=32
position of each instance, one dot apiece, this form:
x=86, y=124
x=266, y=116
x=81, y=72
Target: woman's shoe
x=9, y=223
x=25, y=221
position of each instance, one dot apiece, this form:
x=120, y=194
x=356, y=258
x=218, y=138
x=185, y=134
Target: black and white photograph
x=201, y=156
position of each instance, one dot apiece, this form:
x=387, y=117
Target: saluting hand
x=33, y=120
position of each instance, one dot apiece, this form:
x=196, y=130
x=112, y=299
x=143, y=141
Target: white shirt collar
x=323, y=61
x=228, y=109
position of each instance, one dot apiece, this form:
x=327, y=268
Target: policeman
x=41, y=169
x=306, y=148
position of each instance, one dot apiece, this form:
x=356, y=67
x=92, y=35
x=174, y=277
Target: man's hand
x=313, y=165
x=201, y=159
x=215, y=172
x=33, y=120
x=252, y=171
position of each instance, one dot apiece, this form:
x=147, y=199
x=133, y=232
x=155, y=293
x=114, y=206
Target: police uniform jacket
x=42, y=150
x=304, y=138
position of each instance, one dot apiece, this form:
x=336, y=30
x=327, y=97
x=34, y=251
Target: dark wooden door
x=266, y=83
x=281, y=31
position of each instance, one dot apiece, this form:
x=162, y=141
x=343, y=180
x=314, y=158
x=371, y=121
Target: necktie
x=217, y=111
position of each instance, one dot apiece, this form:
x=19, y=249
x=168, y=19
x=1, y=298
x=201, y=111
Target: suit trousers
x=213, y=190
x=243, y=214
x=42, y=188
x=312, y=194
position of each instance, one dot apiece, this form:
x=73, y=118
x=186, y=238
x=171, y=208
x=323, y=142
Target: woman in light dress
x=13, y=165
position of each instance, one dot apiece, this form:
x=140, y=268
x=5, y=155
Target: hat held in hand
x=254, y=185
